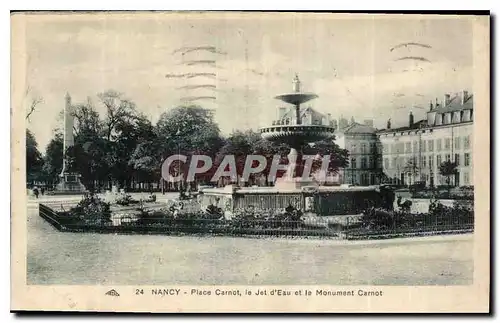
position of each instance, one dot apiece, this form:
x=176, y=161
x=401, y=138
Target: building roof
x=455, y=104
x=358, y=128
x=417, y=125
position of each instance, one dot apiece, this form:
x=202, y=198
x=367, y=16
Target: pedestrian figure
x=35, y=192
x=42, y=190
x=388, y=197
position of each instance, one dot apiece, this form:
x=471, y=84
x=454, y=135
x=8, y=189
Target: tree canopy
x=121, y=146
x=34, y=161
x=448, y=169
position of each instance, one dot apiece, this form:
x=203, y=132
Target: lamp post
x=178, y=156
x=352, y=170
x=431, y=179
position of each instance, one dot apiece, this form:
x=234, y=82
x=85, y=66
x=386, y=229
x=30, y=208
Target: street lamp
x=178, y=155
x=353, y=162
x=431, y=179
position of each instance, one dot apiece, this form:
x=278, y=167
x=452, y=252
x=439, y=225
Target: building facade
x=415, y=152
x=361, y=141
x=404, y=155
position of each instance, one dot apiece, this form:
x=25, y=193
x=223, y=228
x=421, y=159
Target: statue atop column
x=70, y=181
x=296, y=84
x=68, y=138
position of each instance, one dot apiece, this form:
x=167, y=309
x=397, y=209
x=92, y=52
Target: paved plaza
x=83, y=258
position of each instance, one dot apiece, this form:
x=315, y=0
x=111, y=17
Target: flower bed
x=439, y=219
x=94, y=215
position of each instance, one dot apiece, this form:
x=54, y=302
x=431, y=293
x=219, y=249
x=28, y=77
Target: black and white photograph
x=221, y=156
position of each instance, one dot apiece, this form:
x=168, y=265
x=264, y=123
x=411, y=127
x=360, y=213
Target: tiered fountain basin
x=320, y=200
x=296, y=133
x=304, y=194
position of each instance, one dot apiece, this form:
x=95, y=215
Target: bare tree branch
x=32, y=107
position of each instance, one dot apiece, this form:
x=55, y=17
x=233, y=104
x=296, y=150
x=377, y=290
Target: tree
x=188, y=130
x=339, y=158
x=32, y=100
x=239, y=144
x=34, y=161
x=146, y=162
x=88, y=155
x=141, y=143
x=448, y=169
x=85, y=158
x=87, y=121
x=118, y=110
x=53, y=159
x=119, y=135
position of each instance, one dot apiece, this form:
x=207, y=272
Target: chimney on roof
x=465, y=96
x=431, y=106
x=389, y=124
x=446, y=99
x=352, y=120
x=437, y=103
x=411, y=120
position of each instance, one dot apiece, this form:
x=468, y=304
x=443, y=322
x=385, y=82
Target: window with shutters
x=447, y=144
x=466, y=142
x=466, y=159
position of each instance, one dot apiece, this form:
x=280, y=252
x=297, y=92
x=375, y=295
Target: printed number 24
x=139, y=291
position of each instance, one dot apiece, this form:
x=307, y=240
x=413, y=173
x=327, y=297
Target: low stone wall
x=50, y=216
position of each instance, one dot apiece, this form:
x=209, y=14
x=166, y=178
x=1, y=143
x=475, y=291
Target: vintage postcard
x=250, y=162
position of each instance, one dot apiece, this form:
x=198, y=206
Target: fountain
x=303, y=194
x=295, y=135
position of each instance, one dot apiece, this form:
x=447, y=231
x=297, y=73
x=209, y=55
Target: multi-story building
x=408, y=154
x=361, y=141
x=413, y=153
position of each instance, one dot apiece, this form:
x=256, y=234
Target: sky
x=346, y=60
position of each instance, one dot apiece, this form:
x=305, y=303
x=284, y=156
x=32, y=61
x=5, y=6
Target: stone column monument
x=70, y=181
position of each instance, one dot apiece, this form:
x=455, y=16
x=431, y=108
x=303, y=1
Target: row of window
x=434, y=179
x=365, y=162
x=427, y=161
x=359, y=179
x=428, y=145
x=363, y=148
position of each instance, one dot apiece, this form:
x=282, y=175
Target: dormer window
x=447, y=118
x=431, y=118
x=439, y=119
x=466, y=117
